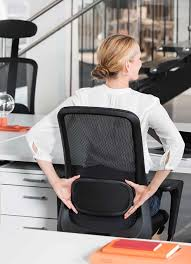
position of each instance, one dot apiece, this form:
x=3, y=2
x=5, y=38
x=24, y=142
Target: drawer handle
x=34, y=180
x=42, y=198
x=37, y=228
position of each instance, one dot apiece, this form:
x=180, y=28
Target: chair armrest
x=170, y=185
x=175, y=188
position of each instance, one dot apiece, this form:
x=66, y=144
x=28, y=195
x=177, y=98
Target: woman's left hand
x=142, y=194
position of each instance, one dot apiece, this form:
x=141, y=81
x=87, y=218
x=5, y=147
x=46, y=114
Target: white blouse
x=147, y=107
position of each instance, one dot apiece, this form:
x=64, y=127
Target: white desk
x=18, y=119
x=13, y=146
x=185, y=164
x=47, y=247
x=40, y=247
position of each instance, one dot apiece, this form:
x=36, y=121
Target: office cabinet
x=27, y=201
x=22, y=223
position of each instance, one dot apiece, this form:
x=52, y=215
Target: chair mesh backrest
x=102, y=139
x=97, y=140
x=18, y=78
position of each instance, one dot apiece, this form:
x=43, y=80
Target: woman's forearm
x=143, y=193
x=62, y=187
x=158, y=178
x=48, y=169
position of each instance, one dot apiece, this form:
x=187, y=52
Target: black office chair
x=104, y=146
x=18, y=75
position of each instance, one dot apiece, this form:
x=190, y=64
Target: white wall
x=3, y=15
x=3, y=10
x=53, y=58
x=24, y=8
x=35, y=6
x=183, y=20
x=181, y=104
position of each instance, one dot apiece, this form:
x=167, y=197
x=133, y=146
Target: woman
x=118, y=63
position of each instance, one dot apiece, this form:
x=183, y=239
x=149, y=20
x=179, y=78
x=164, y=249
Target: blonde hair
x=111, y=55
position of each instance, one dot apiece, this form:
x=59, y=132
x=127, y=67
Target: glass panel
x=106, y=19
x=156, y=26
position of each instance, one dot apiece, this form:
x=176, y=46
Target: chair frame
x=144, y=226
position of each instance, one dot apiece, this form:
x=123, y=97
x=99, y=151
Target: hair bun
x=100, y=72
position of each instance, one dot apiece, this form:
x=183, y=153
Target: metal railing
x=62, y=25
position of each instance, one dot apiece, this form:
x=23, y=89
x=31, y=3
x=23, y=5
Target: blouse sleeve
x=45, y=133
x=170, y=137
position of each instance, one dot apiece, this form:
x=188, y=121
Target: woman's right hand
x=63, y=187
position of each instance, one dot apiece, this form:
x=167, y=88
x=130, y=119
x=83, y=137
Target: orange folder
x=122, y=247
x=135, y=244
x=11, y=128
x=15, y=128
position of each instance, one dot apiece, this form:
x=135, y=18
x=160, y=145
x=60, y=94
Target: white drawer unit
x=23, y=179
x=22, y=223
x=27, y=200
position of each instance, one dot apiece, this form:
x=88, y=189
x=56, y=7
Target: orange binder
x=121, y=246
x=132, y=244
x=11, y=128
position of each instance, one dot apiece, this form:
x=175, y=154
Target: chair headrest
x=12, y=28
